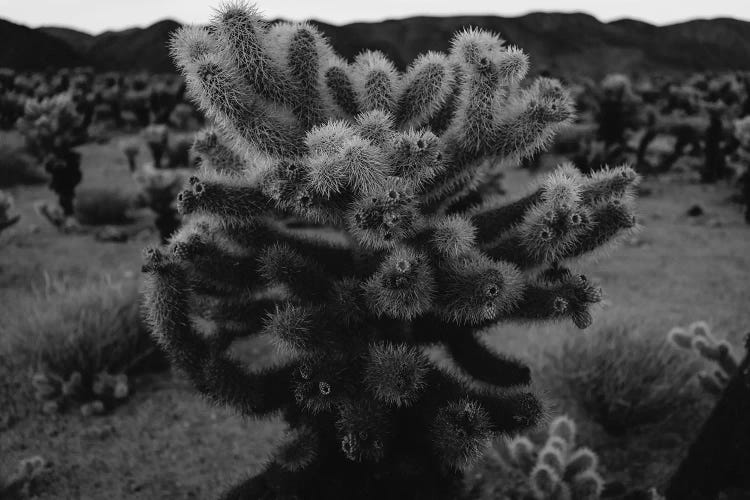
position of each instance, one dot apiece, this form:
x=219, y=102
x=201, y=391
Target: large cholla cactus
x=398, y=252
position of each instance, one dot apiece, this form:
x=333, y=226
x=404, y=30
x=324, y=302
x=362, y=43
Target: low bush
x=19, y=169
x=100, y=206
x=624, y=379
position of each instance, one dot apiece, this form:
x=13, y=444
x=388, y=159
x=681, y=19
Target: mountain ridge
x=563, y=44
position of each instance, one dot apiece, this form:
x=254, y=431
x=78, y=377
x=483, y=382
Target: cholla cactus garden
x=397, y=251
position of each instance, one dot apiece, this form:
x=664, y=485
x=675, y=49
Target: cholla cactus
x=558, y=470
x=52, y=128
x=58, y=394
x=156, y=137
x=131, y=149
x=742, y=134
x=698, y=337
x=618, y=109
x=7, y=218
x=51, y=125
x=382, y=160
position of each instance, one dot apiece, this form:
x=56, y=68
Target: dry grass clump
x=625, y=379
x=65, y=332
x=19, y=169
x=101, y=206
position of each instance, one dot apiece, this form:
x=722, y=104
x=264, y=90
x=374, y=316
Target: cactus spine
x=381, y=160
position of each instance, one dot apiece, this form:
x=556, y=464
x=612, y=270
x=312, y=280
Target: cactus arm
x=483, y=363
x=493, y=218
x=508, y=412
x=215, y=375
x=533, y=120
x=227, y=198
x=212, y=262
x=375, y=81
x=282, y=265
x=340, y=88
x=242, y=36
x=571, y=298
x=608, y=222
x=304, y=54
x=229, y=320
x=426, y=86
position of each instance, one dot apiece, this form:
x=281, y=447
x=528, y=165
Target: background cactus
x=557, y=470
x=717, y=459
x=385, y=162
x=742, y=134
x=24, y=482
x=52, y=127
x=7, y=218
x=698, y=337
x=618, y=109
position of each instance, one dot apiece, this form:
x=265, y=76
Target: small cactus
x=28, y=474
x=58, y=393
x=699, y=338
x=7, y=219
x=558, y=470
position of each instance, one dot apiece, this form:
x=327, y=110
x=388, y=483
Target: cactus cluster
x=558, y=470
x=106, y=101
x=355, y=235
x=57, y=394
x=698, y=338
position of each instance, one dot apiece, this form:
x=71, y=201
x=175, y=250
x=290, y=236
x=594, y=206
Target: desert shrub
x=75, y=333
x=625, y=379
x=99, y=206
x=18, y=169
x=30, y=474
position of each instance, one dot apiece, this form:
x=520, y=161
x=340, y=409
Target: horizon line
x=386, y=19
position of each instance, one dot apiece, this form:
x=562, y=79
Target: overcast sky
x=98, y=15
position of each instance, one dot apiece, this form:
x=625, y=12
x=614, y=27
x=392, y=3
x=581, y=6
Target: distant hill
x=563, y=44
x=78, y=40
x=25, y=48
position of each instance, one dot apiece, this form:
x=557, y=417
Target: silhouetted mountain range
x=563, y=44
